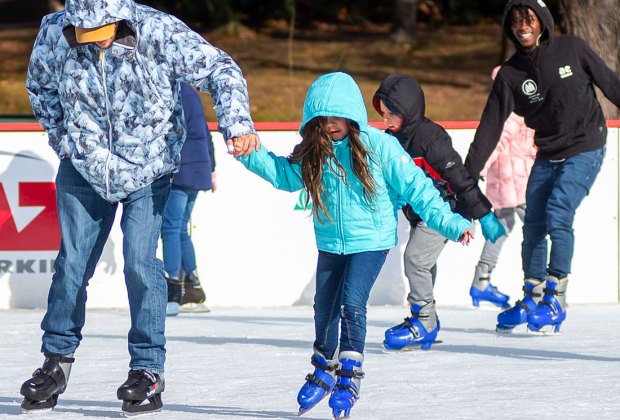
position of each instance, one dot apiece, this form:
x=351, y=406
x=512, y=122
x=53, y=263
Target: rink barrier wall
x=255, y=245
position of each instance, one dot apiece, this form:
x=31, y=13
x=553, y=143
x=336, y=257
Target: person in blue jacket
x=354, y=174
x=195, y=174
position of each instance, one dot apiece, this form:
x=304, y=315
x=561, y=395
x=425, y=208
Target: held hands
x=492, y=229
x=467, y=236
x=243, y=145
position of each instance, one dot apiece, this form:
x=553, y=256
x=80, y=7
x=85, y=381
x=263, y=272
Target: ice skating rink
x=249, y=364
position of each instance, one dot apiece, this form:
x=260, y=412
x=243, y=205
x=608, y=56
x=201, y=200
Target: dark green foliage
x=209, y=14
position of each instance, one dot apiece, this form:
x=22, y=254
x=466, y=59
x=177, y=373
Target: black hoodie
x=430, y=146
x=552, y=88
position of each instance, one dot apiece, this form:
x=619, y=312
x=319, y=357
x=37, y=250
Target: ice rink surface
x=249, y=364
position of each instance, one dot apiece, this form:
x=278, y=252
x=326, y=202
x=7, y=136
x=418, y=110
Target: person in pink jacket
x=506, y=172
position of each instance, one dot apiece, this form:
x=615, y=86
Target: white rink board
x=254, y=249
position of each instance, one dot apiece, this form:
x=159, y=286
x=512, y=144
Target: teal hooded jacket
x=358, y=224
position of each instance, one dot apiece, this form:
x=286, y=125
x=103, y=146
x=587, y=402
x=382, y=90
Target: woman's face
x=393, y=122
x=336, y=128
x=526, y=29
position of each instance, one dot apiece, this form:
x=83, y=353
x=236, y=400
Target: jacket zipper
x=107, y=112
x=340, y=226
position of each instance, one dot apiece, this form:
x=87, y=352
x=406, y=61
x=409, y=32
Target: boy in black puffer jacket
x=400, y=101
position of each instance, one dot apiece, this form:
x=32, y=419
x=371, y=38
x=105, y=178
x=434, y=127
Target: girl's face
x=336, y=128
x=526, y=29
x=393, y=122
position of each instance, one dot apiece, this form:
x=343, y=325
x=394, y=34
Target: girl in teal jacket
x=357, y=177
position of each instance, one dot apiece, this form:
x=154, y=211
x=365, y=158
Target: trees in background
x=598, y=22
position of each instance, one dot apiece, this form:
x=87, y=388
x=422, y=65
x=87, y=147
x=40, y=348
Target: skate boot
x=347, y=390
x=318, y=384
x=193, y=295
x=551, y=310
x=141, y=393
x=419, y=330
x=517, y=315
x=42, y=390
x=175, y=294
x=483, y=291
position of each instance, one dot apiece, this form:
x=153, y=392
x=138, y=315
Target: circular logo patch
x=529, y=87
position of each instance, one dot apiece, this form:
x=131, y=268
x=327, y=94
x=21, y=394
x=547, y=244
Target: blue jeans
x=178, y=248
x=555, y=190
x=343, y=284
x=85, y=222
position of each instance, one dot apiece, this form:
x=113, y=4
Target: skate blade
x=195, y=308
x=36, y=411
x=141, y=414
x=489, y=307
x=303, y=411
x=520, y=329
x=152, y=405
x=410, y=348
x=547, y=330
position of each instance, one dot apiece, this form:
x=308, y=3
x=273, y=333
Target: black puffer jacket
x=553, y=89
x=430, y=146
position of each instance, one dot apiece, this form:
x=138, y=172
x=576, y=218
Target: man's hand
x=243, y=145
x=213, y=181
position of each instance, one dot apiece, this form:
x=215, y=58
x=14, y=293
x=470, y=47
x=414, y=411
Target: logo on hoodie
x=542, y=3
x=530, y=89
x=565, y=71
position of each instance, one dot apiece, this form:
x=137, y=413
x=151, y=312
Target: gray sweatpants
x=420, y=262
x=491, y=251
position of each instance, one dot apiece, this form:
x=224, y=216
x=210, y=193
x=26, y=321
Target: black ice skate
x=141, y=393
x=41, y=391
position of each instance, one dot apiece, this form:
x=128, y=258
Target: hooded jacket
x=358, y=225
x=430, y=146
x=116, y=112
x=509, y=166
x=197, y=158
x=552, y=88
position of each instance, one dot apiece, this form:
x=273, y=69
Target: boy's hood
x=94, y=13
x=334, y=95
x=542, y=11
x=406, y=95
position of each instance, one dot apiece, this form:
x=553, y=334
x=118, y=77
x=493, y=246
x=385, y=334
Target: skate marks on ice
x=90, y=408
x=303, y=344
x=522, y=353
x=112, y=409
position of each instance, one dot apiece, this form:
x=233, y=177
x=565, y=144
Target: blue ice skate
x=347, y=390
x=318, y=384
x=489, y=294
x=517, y=315
x=551, y=309
x=412, y=332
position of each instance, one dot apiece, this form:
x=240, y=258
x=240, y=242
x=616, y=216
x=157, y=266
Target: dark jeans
x=343, y=284
x=554, y=192
x=85, y=222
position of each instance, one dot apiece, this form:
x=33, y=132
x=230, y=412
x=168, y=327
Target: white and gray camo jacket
x=116, y=112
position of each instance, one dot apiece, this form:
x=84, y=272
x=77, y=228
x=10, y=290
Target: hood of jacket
x=94, y=13
x=334, y=95
x=542, y=11
x=404, y=93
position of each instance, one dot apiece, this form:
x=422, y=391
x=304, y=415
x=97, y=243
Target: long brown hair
x=315, y=149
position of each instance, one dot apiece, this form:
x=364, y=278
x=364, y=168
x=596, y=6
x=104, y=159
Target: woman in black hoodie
x=550, y=82
x=400, y=101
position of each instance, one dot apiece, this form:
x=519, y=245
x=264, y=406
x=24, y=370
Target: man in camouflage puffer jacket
x=104, y=81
